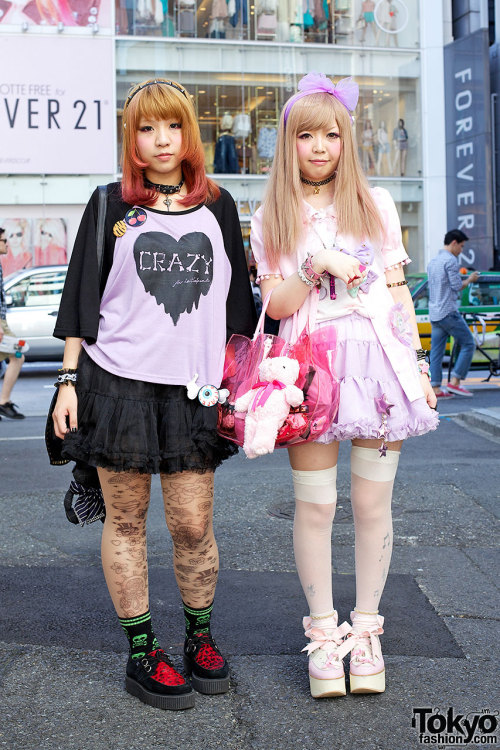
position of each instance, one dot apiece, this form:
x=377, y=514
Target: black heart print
x=175, y=272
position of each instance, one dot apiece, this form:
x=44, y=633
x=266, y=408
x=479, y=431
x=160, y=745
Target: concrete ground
x=62, y=653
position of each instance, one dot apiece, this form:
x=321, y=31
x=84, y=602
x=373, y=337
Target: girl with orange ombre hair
x=143, y=361
x=157, y=99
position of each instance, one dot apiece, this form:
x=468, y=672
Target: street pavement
x=63, y=654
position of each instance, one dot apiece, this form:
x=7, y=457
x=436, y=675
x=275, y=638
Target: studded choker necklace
x=317, y=185
x=165, y=189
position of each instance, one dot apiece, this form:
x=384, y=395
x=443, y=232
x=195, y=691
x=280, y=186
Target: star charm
x=383, y=449
x=381, y=432
x=382, y=405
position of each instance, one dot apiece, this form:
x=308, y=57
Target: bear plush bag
x=248, y=370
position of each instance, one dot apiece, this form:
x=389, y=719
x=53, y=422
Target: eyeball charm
x=208, y=395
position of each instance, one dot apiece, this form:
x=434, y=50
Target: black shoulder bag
x=83, y=502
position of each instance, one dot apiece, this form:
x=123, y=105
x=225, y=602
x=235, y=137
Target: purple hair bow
x=346, y=91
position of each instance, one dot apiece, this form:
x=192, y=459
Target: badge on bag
x=208, y=395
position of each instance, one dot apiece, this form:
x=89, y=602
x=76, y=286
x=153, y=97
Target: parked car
x=33, y=296
x=480, y=303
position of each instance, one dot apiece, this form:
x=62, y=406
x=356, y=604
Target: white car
x=33, y=296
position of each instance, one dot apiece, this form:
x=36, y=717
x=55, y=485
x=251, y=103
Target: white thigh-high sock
x=372, y=480
x=315, y=502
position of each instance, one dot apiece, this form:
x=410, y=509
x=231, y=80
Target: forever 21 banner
x=468, y=146
x=56, y=105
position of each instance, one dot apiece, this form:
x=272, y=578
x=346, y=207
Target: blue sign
x=468, y=146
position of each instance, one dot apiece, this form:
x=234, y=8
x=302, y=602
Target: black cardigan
x=79, y=309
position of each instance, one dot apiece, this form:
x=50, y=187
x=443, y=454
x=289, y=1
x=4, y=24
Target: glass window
x=355, y=23
x=37, y=290
x=485, y=293
x=421, y=298
x=241, y=91
x=242, y=106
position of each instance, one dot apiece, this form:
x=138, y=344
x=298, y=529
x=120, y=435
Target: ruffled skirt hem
x=365, y=374
x=148, y=427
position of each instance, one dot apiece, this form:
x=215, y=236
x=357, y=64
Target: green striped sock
x=197, y=620
x=140, y=634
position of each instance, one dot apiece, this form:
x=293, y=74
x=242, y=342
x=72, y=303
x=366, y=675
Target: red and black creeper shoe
x=154, y=681
x=204, y=662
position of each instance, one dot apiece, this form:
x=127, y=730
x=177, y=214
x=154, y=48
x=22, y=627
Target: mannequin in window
x=367, y=20
x=388, y=18
x=367, y=138
x=218, y=16
x=400, y=144
x=384, y=151
x=226, y=159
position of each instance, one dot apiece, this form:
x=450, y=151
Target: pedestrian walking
x=330, y=250
x=445, y=284
x=8, y=409
x=174, y=287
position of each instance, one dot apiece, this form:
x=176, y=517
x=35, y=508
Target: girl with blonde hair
x=174, y=286
x=329, y=249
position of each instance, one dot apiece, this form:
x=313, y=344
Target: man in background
x=445, y=284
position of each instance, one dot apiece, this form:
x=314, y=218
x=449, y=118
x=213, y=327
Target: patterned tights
x=188, y=501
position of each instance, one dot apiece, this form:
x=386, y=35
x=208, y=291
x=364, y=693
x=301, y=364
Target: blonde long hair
x=356, y=212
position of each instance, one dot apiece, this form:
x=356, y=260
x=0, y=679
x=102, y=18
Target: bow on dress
x=364, y=254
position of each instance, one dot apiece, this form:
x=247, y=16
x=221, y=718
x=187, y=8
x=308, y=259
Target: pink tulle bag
x=315, y=353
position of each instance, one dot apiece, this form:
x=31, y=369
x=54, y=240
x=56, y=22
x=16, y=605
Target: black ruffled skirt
x=128, y=424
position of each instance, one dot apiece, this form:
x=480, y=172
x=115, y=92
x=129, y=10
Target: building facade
x=68, y=64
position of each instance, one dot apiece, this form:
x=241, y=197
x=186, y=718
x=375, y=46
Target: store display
x=242, y=125
x=266, y=142
x=400, y=143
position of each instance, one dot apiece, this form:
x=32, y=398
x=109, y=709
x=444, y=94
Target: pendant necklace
x=165, y=189
x=317, y=185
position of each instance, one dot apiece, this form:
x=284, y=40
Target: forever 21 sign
x=38, y=113
x=56, y=117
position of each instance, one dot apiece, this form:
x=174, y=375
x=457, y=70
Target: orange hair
x=159, y=99
x=355, y=209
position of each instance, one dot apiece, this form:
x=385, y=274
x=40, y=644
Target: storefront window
x=239, y=112
x=376, y=23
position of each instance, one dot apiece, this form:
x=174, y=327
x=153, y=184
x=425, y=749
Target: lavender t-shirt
x=163, y=310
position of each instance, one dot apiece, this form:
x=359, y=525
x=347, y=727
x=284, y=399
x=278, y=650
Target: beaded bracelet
x=303, y=277
x=397, y=283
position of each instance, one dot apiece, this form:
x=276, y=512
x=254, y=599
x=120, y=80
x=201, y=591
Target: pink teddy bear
x=268, y=403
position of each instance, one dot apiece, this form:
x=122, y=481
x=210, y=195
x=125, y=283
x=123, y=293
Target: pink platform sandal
x=329, y=644
x=367, y=670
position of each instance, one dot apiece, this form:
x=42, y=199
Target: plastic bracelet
x=397, y=283
x=423, y=367
x=66, y=377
